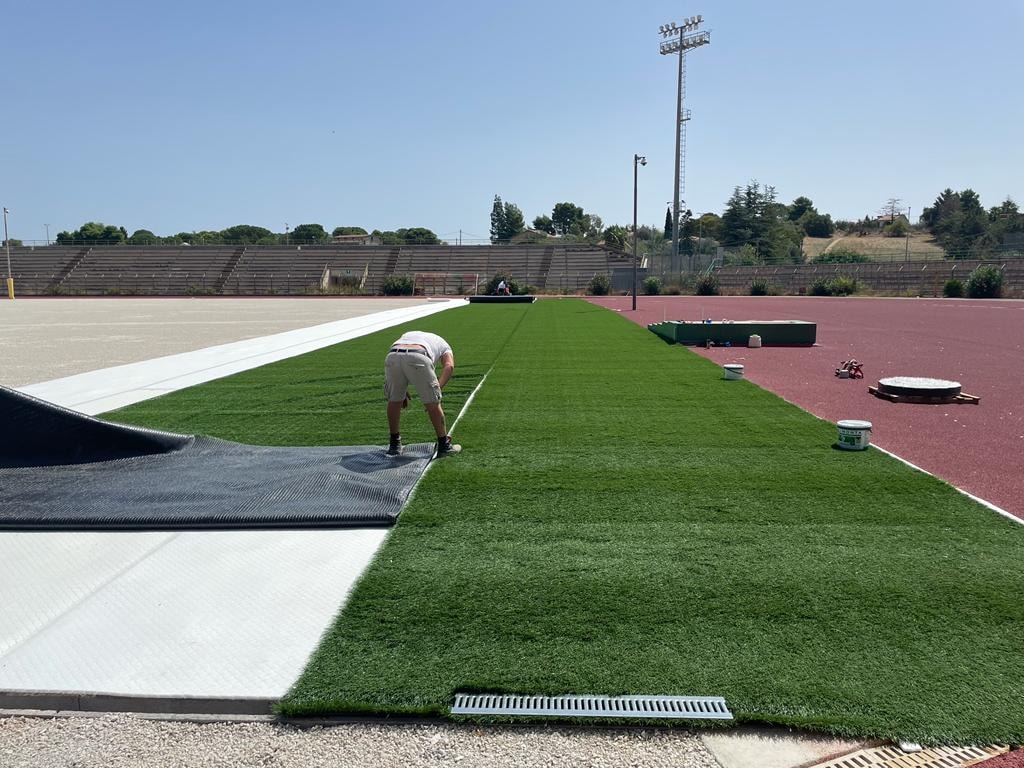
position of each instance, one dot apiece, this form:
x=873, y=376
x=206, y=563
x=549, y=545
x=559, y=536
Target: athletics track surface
x=980, y=343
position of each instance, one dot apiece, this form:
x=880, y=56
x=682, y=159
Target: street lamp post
x=637, y=161
x=7, y=242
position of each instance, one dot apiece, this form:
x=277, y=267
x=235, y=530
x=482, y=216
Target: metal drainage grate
x=932, y=757
x=663, y=707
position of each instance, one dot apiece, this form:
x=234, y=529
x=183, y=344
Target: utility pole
x=10, y=275
x=906, y=249
x=676, y=40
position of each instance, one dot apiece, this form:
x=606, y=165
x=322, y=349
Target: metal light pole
x=7, y=242
x=637, y=160
x=906, y=247
x=677, y=41
x=47, y=233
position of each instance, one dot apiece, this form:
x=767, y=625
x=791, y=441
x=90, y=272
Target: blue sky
x=200, y=115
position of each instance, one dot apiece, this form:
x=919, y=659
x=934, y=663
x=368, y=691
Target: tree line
x=98, y=233
x=754, y=227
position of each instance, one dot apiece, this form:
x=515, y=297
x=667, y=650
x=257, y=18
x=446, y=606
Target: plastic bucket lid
x=853, y=424
x=737, y=367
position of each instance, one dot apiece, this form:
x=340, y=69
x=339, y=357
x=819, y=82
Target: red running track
x=980, y=343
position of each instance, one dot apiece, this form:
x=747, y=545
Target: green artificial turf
x=623, y=521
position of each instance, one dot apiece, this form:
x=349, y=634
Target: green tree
x=668, y=223
x=506, y=221
x=13, y=242
x=497, y=220
x=709, y=226
x=544, y=224
x=958, y=223
x=309, y=233
x=816, y=224
x=348, y=231
x=565, y=217
x=93, y=233
x=616, y=237
x=799, y=207
x=419, y=236
x=144, y=237
x=246, y=234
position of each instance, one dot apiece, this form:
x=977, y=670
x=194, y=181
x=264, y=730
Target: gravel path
x=120, y=741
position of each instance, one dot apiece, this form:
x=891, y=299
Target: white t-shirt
x=436, y=346
x=501, y=286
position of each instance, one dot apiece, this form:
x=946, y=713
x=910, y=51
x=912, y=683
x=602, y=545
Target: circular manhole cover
x=917, y=386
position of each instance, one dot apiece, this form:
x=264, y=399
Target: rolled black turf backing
x=60, y=470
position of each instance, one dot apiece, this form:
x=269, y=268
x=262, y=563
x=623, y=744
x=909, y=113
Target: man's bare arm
x=448, y=361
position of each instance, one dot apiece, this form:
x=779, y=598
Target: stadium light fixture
x=679, y=41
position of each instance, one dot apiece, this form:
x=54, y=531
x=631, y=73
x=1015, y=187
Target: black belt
x=411, y=351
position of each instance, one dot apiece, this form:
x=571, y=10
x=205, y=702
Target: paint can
x=854, y=435
x=733, y=371
x=754, y=341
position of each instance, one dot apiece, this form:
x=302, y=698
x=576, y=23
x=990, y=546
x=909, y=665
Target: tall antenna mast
x=680, y=39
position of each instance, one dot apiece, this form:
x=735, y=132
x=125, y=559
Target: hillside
x=877, y=247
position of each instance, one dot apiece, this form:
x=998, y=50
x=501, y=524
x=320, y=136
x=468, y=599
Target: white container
x=854, y=435
x=733, y=371
x=754, y=341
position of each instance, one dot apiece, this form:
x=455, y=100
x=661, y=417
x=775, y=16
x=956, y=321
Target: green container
x=738, y=332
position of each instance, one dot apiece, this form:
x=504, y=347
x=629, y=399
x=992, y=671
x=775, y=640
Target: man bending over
x=412, y=360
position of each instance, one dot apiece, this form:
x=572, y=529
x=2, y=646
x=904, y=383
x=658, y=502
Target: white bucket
x=733, y=371
x=854, y=435
x=754, y=341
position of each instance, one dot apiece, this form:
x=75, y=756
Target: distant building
x=356, y=240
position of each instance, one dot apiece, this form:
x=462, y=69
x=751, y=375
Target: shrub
x=985, y=282
x=759, y=287
x=652, y=286
x=672, y=289
x=819, y=287
x=599, y=285
x=706, y=285
x=841, y=256
x=898, y=228
x=398, y=285
x=842, y=286
x=953, y=289
x=833, y=286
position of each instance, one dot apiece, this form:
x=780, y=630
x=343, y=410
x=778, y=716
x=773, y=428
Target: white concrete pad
x=224, y=614
x=105, y=389
x=219, y=614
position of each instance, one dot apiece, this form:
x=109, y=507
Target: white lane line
x=987, y=504
x=470, y=400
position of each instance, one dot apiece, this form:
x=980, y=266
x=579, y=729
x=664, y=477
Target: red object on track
x=980, y=343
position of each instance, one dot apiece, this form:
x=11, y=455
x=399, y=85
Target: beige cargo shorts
x=410, y=367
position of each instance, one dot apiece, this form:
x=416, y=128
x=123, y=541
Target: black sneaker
x=395, y=447
x=445, y=447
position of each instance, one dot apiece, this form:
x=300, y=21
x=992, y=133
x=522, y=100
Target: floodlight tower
x=679, y=40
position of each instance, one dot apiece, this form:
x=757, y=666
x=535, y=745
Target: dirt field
x=878, y=248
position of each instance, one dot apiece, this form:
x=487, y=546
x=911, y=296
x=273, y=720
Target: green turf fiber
x=622, y=520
